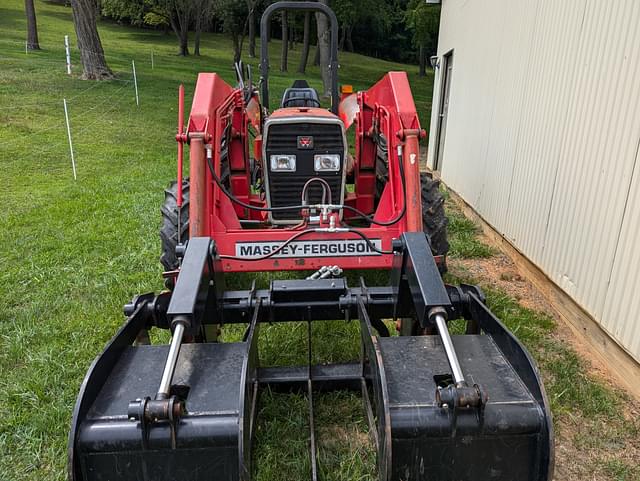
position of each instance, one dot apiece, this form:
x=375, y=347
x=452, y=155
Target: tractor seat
x=300, y=95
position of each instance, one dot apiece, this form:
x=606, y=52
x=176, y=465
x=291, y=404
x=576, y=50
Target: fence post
x=152, y=66
x=73, y=159
x=66, y=48
x=135, y=81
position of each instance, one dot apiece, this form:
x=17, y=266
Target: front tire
x=172, y=223
x=434, y=218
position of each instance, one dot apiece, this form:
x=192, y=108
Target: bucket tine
x=312, y=437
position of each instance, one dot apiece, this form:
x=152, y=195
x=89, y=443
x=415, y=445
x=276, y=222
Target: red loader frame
x=386, y=108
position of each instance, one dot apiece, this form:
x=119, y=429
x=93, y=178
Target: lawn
x=73, y=252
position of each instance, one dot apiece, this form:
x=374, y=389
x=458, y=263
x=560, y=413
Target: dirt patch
x=499, y=272
x=586, y=449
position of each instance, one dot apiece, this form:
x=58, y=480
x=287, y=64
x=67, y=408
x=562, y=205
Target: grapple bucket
x=441, y=407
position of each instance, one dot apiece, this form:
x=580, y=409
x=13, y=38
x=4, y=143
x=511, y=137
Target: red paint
x=179, y=138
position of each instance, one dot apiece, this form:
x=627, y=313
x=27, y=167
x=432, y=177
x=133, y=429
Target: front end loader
x=281, y=191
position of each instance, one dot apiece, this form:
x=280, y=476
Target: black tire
x=170, y=218
x=434, y=219
x=434, y=224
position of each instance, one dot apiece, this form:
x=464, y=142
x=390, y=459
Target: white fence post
x=152, y=66
x=73, y=159
x=135, y=81
x=66, y=48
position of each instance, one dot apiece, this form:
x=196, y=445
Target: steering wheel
x=306, y=99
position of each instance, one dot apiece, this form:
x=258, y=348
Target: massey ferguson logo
x=305, y=142
x=311, y=248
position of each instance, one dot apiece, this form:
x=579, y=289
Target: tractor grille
x=283, y=139
x=285, y=188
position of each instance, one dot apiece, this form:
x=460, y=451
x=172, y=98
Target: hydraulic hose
x=358, y=212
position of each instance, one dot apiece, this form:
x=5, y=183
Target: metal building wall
x=543, y=138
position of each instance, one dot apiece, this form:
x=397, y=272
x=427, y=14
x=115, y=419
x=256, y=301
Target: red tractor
x=441, y=407
x=294, y=198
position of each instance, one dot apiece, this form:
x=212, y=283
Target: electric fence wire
x=73, y=119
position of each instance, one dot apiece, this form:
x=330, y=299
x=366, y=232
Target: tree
x=202, y=15
x=324, y=49
x=252, y=5
x=176, y=14
x=91, y=54
x=131, y=11
x=32, y=26
x=424, y=21
x=304, y=56
x=284, y=53
x=234, y=15
x=180, y=13
x=372, y=13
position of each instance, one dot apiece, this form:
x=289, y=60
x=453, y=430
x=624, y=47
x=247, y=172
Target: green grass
x=463, y=235
x=73, y=252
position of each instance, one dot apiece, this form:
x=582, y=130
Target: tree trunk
x=349, y=43
x=32, y=26
x=237, y=48
x=316, y=56
x=324, y=49
x=343, y=36
x=91, y=54
x=252, y=32
x=304, y=56
x=180, y=25
x=196, y=40
x=422, y=61
x=285, y=43
x=292, y=31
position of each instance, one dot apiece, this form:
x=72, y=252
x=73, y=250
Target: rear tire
x=434, y=219
x=171, y=218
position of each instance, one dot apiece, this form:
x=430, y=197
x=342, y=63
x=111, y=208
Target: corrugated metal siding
x=543, y=136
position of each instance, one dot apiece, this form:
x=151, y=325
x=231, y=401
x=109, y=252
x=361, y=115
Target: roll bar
x=333, y=63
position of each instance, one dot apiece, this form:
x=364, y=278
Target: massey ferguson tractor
x=285, y=191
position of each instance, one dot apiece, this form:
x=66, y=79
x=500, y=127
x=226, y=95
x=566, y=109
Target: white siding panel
x=513, y=67
x=544, y=120
x=621, y=314
x=542, y=140
x=596, y=163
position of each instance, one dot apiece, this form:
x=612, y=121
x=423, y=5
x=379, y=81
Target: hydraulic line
x=358, y=212
x=326, y=189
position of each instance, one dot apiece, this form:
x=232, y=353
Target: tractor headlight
x=326, y=163
x=283, y=163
